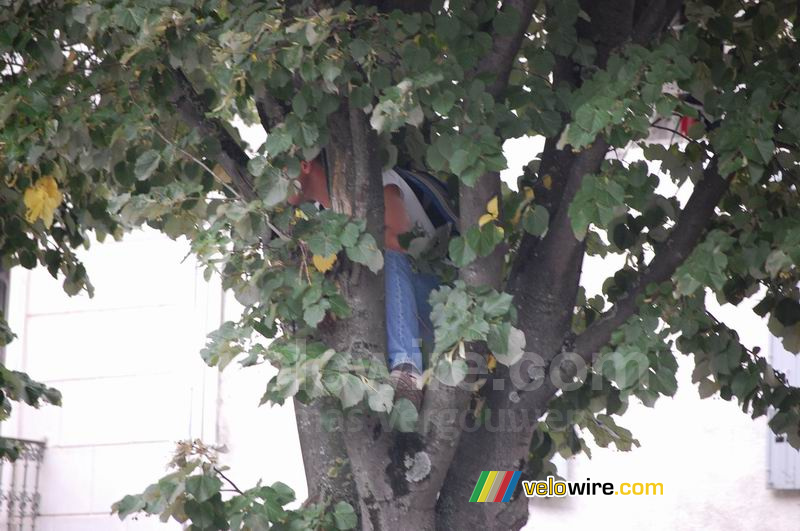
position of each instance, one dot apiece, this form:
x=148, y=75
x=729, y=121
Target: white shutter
x=3, y=306
x=783, y=460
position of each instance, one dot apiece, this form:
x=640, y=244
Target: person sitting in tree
x=413, y=202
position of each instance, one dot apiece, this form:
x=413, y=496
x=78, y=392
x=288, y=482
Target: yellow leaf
x=492, y=212
x=491, y=363
x=323, y=263
x=41, y=200
x=529, y=192
x=484, y=219
x=491, y=207
x=529, y=195
x=547, y=181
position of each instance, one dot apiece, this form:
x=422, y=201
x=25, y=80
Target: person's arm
x=396, y=219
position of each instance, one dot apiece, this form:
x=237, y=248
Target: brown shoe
x=406, y=385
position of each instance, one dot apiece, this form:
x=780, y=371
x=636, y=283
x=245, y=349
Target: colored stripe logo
x=495, y=486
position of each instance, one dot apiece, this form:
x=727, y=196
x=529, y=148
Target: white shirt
x=416, y=214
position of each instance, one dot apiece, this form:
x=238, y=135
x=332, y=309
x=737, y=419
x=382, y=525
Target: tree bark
x=357, y=190
x=327, y=467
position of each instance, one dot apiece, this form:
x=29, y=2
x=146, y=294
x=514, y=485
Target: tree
x=117, y=113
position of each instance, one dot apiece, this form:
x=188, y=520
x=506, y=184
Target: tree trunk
x=391, y=515
x=325, y=460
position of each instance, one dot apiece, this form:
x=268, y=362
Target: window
x=782, y=459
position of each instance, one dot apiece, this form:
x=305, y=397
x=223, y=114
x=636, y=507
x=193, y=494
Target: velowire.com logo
x=498, y=486
x=495, y=486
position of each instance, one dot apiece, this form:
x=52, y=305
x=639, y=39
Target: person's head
x=315, y=167
x=313, y=180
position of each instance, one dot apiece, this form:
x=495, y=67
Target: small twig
x=719, y=323
x=197, y=161
x=231, y=483
x=305, y=263
x=675, y=131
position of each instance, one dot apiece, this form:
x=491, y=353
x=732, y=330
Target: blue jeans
x=408, y=312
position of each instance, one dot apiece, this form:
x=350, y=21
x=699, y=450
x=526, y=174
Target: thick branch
x=653, y=17
x=560, y=243
x=609, y=27
x=684, y=237
x=270, y=111
x=325, y=461
x=192, y=111
x=357, y=190
x=505, y=48
x=408, y=6
x=544, y=281
x=444, y=407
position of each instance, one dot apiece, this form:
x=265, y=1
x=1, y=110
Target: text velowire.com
x=552, y=488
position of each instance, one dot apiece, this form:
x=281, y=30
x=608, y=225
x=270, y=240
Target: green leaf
x=278, y=141
x=404, y=416
x=359, y=49
x=324, y=244
x=381, y=399
x=315, y=313
x=460, y=252
x=776, y=262
x=350, y=234
x=330, y=71
x=787, y=312
x=203, y=487
x=256, y=166
x=707, y=388
x=366, y=252
x=273, y=190
x=361, y=96
x=484, y=239
x=128, y=505
x=352, y=390
x=536, y=220
x=146, y=164
x=299, y=105
x=743, y=384
x=451, y=372
x=496, y=304
x=443, y=102
x=344, y=515
x=461, y=160
x=506, y=343
x=766, y=148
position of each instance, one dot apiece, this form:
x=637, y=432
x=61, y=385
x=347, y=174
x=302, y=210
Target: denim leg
x=402, y=327
x=423, y=285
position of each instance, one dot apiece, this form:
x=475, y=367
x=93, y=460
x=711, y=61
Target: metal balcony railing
x=19, y=485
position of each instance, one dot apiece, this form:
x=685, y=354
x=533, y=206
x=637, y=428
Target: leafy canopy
x=116, y=114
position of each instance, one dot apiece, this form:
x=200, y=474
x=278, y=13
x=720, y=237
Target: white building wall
x=710, y=456
x=262, y=442
x=127, y=362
